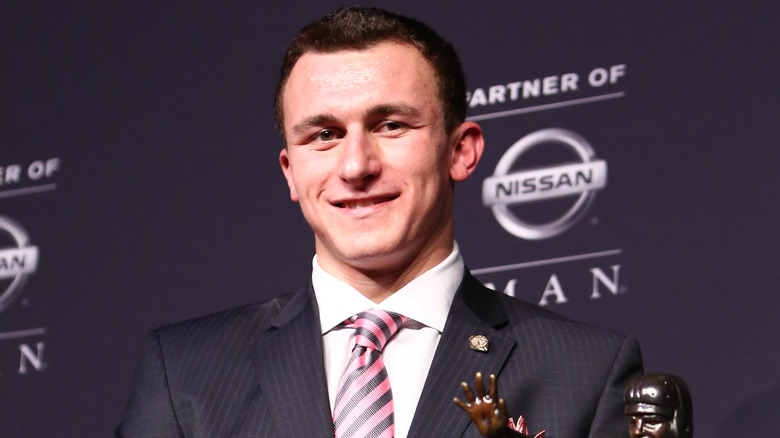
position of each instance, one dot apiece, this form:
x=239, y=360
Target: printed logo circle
x=507, y=187
x=16, y=262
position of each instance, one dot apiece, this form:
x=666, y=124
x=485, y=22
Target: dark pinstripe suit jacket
x=257, y=371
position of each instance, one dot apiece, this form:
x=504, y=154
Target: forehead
x=351, y=78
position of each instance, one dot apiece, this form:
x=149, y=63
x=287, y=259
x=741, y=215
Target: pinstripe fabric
x=560, y=375
x=364, y=402
x=257, y=371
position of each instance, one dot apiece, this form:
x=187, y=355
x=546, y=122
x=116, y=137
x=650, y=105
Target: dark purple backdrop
x=163, y=198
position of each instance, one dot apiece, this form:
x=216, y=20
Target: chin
x=371, y=256
x=366, y=256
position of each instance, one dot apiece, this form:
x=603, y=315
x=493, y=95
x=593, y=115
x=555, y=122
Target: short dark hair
x=359, y=28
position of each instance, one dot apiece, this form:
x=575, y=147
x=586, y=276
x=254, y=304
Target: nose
x=636, y=428
x=359, y=161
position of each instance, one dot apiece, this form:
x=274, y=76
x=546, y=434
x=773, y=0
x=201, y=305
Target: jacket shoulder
x=535, y=318
x=215, y=331
x=542, y=329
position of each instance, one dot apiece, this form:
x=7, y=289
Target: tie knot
x=374, y=327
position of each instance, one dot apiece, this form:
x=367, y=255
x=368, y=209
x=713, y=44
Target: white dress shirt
x=425, y=300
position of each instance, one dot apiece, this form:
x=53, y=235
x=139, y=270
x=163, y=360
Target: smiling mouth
x=361, y=203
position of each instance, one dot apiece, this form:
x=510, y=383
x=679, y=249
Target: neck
x=378, y=281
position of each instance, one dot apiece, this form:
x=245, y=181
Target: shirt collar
x=426, y=299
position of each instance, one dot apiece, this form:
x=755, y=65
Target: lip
x=364, y=202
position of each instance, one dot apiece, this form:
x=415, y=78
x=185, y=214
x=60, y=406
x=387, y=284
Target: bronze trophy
x=659, y=406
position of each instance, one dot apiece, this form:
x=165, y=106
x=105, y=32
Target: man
x=372, y=110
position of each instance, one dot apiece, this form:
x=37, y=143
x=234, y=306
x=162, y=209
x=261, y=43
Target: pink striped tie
x=364, y=402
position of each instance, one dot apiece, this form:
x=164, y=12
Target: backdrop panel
x=629, y=181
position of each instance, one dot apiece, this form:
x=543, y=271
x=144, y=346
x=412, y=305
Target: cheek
x=306, y=187
x=420, y=163
x=309, y=176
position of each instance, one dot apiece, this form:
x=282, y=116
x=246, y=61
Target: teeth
x=359, y=204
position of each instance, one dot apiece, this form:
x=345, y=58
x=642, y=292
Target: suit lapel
x=291, y=371
x=472, y=313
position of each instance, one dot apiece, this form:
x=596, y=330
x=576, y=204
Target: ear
x=284, y=161
x=467, y=150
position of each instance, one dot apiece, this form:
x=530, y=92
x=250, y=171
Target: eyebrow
x=377, y=110
x=317, y=120
x=392, y=108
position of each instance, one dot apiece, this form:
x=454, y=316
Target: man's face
x=650, y=426
x=368, y=159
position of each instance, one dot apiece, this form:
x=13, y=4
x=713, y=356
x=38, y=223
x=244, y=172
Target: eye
x=391, y=126
x=326, y=135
